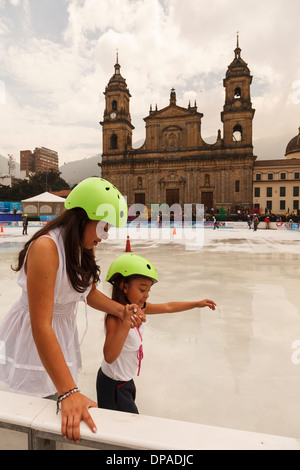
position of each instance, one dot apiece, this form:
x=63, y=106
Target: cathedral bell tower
x=116, y=124
x=237, y=114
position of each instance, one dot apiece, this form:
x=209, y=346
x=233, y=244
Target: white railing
x=36, y=419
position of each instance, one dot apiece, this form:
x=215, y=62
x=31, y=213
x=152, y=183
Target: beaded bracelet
x=65, y=395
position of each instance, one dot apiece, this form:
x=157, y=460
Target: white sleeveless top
x=21, y=369
x=129, y=360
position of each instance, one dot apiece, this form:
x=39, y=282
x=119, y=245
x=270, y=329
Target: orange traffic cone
x=174, y=231
x=1, y=229
x=128, y=247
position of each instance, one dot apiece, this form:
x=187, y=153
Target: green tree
x=22, y=190
x=50, y=180
x=39, y=183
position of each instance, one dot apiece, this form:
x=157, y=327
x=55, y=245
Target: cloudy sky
x=57, y=56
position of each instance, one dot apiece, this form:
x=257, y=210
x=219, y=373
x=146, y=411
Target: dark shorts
x=116, y=395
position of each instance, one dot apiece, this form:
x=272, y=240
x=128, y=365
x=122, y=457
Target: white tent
x=44, y=197
x=43, y=204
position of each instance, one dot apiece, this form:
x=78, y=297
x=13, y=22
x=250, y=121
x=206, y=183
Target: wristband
x=65, y=395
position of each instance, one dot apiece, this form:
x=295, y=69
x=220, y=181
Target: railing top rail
x=125, y=430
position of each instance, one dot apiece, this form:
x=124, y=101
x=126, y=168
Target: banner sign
x=16, y=207
x=4, y=207
x=10, y=207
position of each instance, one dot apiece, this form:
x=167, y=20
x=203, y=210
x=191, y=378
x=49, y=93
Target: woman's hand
x=207, y=303
x=99, y=301
x=74, y=409
x=136, y=315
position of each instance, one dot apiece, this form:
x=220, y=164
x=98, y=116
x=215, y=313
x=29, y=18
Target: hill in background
x=74, y=172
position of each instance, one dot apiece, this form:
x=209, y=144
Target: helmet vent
x=148, y=266
x=121, y=214
x=107, y=189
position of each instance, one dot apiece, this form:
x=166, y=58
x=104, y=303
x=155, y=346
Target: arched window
x=114, y=141
x=237, y=134
x=237, y=93
x=172, y=140
x=45, y=209
x=30, y=209
x=114, y=105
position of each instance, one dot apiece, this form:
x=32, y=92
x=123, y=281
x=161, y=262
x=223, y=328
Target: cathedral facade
x=175, y=165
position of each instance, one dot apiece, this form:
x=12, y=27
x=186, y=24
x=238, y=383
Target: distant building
x=39, y=160
x=27, y=161
x=276, y=183
x=175, y=164
x=5, y=179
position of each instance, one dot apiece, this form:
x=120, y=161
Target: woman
x=57, y=269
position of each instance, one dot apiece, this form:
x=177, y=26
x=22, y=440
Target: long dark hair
x=80, y=262
x=117, y=293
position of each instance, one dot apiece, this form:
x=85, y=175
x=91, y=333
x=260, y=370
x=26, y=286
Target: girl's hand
x=74, y=409
x=207, y=303
x=137, y=315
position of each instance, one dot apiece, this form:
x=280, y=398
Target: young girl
x=132, y=278
x=40, y=353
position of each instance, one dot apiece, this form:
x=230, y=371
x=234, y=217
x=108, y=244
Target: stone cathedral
x=175, y=164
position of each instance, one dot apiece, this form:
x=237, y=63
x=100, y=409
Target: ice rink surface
x=237, y=366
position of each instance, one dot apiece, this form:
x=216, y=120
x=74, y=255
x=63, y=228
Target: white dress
x=129, y=360
x=21, y=369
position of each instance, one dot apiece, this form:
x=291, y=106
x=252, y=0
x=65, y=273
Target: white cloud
x=55, y=89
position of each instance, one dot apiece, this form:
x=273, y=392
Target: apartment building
x=39, y=160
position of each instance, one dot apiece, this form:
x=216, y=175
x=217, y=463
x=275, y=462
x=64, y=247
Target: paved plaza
x=236, y=367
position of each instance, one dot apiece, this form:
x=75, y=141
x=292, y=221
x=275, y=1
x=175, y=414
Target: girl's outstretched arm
x=172, y=307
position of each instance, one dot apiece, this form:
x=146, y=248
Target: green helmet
x=101, y=200
x=129, y=265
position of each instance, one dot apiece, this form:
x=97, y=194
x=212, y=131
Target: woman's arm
x=42, y=264
x=99, y=301
x=116, y=334
x=172, y=307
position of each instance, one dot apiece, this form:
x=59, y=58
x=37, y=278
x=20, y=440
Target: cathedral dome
x=117, y=82
x=293, y=147
x=238, y=66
